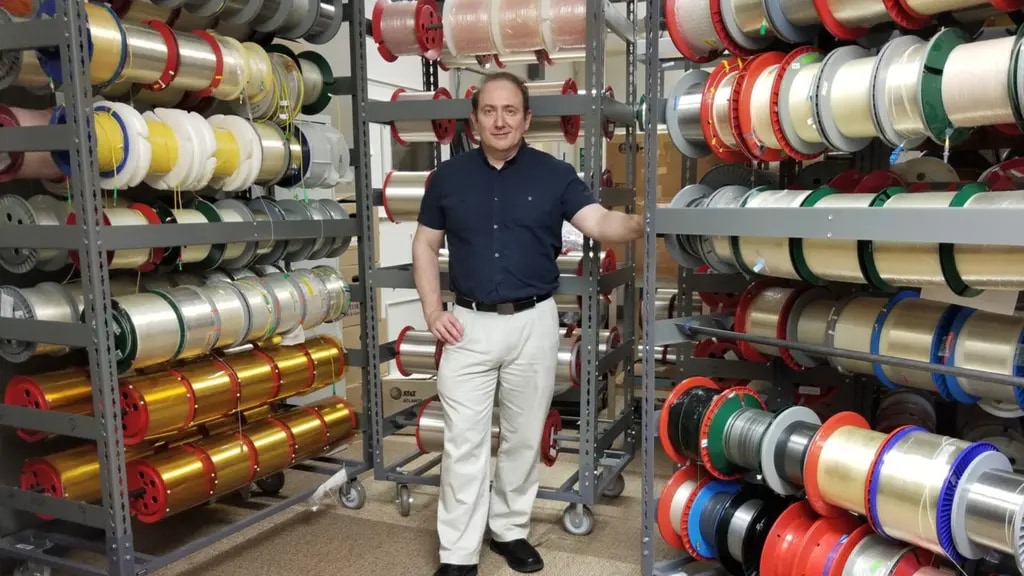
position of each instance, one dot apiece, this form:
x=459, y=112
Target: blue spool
x=62, y=158
x=292, y=179
x=876, y=473
x=952, y=382
x=942, y=331
x=49, y=58
x=876, y=333
x=944, y=510
x=703, y=498
x=1018, y=371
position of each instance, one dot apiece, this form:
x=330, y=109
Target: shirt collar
x=523, y=145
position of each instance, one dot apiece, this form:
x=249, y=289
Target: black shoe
x=520, y=555
x=456, y=570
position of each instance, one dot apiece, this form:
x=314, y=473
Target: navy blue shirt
x=504, y=227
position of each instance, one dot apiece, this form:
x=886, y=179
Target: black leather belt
x=504, y=308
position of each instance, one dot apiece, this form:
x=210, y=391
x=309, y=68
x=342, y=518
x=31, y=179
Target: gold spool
x=403, y=194
x=911, y=263
x=771, y=256
x=147, y=53
x=163, y=397
x=307, y=429
x=72, y=474
x=197, y=64
x=720, y=110
x=328, y=361
x=233, y=461
x=859, y=13
x=845, y=466
x=854, y=323
x=213, y=388
x=989, y=342
x=763, y=316
x=910, y=481
x=276, y=153
x=908, y=332
x=68, y=391
x=760, y=104
x=836, y=260
x=143, y=11
x=801, y=109
x=985, y=266
x=812, y=324
x=107, y=43
x=273, y=446
x=294, y=369
x=185, y=479
x=340, y=419
x=257, y=379
x=235, y=76
x=850, y=95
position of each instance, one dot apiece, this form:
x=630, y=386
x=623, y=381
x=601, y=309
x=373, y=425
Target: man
x=502, y=208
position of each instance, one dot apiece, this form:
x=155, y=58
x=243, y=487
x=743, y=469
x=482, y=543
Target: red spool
x=773, y=111
x=444, y=128
x=781, y=549
x=663, y=424
x=741, y=115
x=1007, y=175
x=678, y=36
x=712, y=133
x=822, y=538
x=902, y=14
x=429, y=35
x=846, y=181
x=875, y=182
x=717, y=301
x=712, y=348
x=814, y=496
x=549, y=441
x=834, y=26
x=718, y=21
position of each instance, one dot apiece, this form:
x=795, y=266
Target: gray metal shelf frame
x=25, y=539
x=600, y=465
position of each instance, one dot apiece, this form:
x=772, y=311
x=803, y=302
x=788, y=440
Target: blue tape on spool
x=952, y=382
x=832, y=555
x=124, y=138
x=62, y=158
x=876, y=333
x=876, y=474
x=49, y=58
x=1018, y=371
x=702, y=546
x=944, y=510
x=942, y=331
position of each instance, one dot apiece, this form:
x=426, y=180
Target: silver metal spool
x=416, y=351
x=737, y=34
x=300, y=20
x=215, y=276
x=988, y=461
x=785, y=118
x=925, y=169
x=341, y=243
x=264, y=309
x=242, y=253
x=687, y=146
x=50, y=211
x=565, y=371
x=290, y=298
x=691, y=196
x=727, y=197
x=994, y=512
x=430, y=427
x=272, y=15
x=771, y=442
x=315, y=296
x=17, y=211
x=262, y=270
x=298, y=249
x=784, y=28
x=322, y=244
x=157, y=333
x=327, y=25
x=233, y=311
x=270, y=208
x=198, y=314
x=239, y=12
x=890, y=54
x=46, y=301
x=338, y=289
x=205, y=8
x=821, y=99
x=799, y=305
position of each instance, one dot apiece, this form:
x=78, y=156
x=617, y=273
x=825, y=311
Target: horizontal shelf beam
x=123, y=237
x=74, y=334
x=458, y=108
x=50, y=421
x=999, y=226
x=77, y=512
x=22, y=236
x=31, y=34
x=616, y=22
x=36, y=138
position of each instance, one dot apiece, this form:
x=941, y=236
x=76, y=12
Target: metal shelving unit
x=106, y=529
x=600, y=465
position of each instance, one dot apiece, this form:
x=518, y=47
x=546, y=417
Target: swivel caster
x=403, y=499
x=578, y=519
x=615, y=488
x=353, y=495
x=271, y=485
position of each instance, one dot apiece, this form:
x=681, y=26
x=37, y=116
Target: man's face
x=500, y=119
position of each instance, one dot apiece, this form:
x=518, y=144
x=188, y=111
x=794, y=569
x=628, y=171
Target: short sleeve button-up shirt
x=504, y=226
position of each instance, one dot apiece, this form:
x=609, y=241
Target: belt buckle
x=506, y=308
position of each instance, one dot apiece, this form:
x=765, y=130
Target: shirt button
x=495, y=226
x=496, y=255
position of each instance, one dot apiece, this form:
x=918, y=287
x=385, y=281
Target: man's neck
x=498, y=159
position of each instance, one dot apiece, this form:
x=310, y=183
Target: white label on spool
x=6, y=306
x=297, y=336
x=809, y=390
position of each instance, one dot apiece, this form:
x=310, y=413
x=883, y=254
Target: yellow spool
x=165, y=147
x=227, y=154
x=109, y=141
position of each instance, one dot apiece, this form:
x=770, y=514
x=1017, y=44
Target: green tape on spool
x=126, y=339
x=934, y=112
x=716, y=431
x=947, y=257
x=796, y=245
x=866, y=248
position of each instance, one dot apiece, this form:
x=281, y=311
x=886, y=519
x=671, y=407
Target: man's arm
x=581, y=209
x=425, y=269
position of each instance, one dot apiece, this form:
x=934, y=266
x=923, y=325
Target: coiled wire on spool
x=905, y=408
x=39, y=210
x=430, y=431
x=47, y=301
x=764, y=309
x=987, y=266
x=407, y=29
x=402, y=194
x=838, y=466
x=909, y=327
x=675, y=504
x=66, y=391
x=71, y=474
x=716, y=111
x=106, y=44
x=985, y=341
x=865, y=552
x=976, y=85
x=27, y=165
x=405, y=132
x=851, y=327
x=742, y=528
x=814, y=547
x=417, y=352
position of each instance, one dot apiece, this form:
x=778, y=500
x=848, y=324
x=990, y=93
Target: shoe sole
x=520, y=570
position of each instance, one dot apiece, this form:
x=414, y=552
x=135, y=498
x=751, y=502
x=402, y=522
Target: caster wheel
x=578, y=520
x=403, y=500
x=353, y=495
x=271, y=485
x=615, y=488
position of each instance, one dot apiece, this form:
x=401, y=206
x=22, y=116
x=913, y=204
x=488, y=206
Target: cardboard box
x=401, y=393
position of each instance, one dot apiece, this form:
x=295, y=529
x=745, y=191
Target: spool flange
x=821, y=99
x=688, y=80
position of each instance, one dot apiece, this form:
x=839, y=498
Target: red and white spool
x=405, y=132
x=407, y=28
x=467, y=27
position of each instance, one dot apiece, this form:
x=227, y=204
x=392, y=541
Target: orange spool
x=68, y=391
x=308, y=429
x=155, y=405
x=784, y=540
x=167, y=483
x=230, y=460
x=214, y=388
x=821, y=539
x=664, y=424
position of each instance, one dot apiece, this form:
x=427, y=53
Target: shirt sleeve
x=576, y=197
x=431, y=208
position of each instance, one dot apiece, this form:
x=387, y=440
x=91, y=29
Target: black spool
x=756, y=534
x=685, y=417
x=711, y=516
